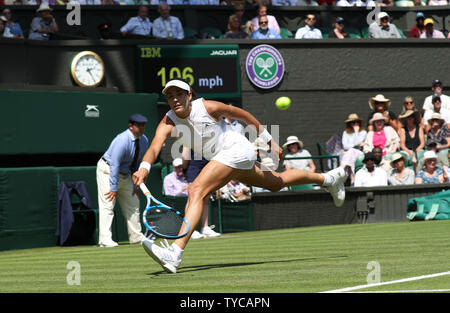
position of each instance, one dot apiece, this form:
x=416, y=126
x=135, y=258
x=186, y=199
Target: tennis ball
x=283, y=103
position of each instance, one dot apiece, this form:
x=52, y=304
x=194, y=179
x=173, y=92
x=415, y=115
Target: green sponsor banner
x=213, y=71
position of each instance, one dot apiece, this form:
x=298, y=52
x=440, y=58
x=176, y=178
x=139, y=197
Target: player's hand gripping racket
x=162, y=220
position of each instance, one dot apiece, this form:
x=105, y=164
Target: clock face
x=87, y=69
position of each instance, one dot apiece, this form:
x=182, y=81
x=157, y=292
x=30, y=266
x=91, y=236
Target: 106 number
x=186, y=74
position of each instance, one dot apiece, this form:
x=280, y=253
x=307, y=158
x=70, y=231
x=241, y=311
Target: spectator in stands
x=167, y=26
x=326, y=2
x=380, y=104
x=437, y=108
x=248, y=28
x=355, y=3
x=44, y=25
x=419, y=28
x=370, y=175
x=307, y=3
x=400, y=174
x=175, y=183
x=295, y=149
x=12, y=29
x=438, y=137
x=430, y=32
x=437, y=89
x=338, y=30
x=262, y=11
x=138, y=25
x=380, y=161
x=430, y=173
x=386, y=3
x=137, y=2
x=353, y=139
x=284, y=3
x=3, y=20
x=204, y=2
x=239, y=11
x=235, y=191
x=382, y=28
x=264, y=32
x=309, y=31
x=382, y=135
x=87, y=2
x=408, y=104
x=437, y=2
x=412, y=138
x=234, y=29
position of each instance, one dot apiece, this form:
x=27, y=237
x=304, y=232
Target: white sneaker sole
x=339, y=199
x=169, y=268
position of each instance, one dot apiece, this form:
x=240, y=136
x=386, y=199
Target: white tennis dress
x=214, y=140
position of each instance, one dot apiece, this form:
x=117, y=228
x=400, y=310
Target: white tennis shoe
x=208, y=232
x=336, y=187
x=164, y=255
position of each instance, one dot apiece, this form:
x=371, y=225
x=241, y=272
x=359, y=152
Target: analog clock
x=87, y=69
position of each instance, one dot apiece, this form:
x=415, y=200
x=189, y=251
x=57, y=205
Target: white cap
x=382, y=14
x=177, y=162
x=177, y=83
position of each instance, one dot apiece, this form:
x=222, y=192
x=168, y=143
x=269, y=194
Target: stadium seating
x=213, y=32
x=190, y=33
x=286, y=33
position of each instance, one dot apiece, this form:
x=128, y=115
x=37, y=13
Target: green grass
x=310, y=259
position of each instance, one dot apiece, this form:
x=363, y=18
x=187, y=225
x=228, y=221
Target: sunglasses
x=384, y=19
x=409, y=102
x=263, y=23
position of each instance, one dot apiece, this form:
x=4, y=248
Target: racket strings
x=164, y=221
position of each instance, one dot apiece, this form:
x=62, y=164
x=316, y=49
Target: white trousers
x=128, y=203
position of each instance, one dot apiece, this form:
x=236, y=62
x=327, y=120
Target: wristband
x=145, y=165
x=265, y=136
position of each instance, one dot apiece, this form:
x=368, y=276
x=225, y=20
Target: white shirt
x=300, y=164
x=365, y=179
x=353, y=139
x=285, y=3
x=428, y=105
x=445, y=114
x=307, y=32
x=168, y=28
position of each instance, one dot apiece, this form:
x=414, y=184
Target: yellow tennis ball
x=283, y=103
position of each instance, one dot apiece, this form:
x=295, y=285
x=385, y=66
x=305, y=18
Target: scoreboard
x=213, y=71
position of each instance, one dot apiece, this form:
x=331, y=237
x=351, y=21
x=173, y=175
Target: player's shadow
x=204, y=267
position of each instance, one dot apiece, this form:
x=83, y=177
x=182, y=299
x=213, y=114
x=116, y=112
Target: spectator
x=386, y=3
x=235, y=191
x=370, y=175
x=419, y=28
x=167, y=26
x=438, y=137
x=284, y=3
x=437, y=2
x=138, y=25
x=295, y=150
x=175, y=183
x=3, y=20
x=383, y=28
x=412, y=138
x=437, y=89
x=352, y=142
x=309, y=31
x=307, y=3
x=44, y=25
x=264, y=32
x=239, y=11
x=418, y=3
x=408, y=104
x=262, y=11
x=137, y=2
x=430, y=173
x=234, y=29
x=338, y=30
x=355, y=3
x=382, y=135
x=430, y=32
x=248, y=28
x=88, y=2
x=380, y=104
x=437, y=108
x=12, y=30
x=326, y=2
x=400, y=175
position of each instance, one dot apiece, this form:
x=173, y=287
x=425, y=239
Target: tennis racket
x=162, y=220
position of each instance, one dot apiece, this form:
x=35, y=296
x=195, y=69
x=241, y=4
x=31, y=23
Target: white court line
x=387, y=283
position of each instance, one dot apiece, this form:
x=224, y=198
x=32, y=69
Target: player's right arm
x=163, y=131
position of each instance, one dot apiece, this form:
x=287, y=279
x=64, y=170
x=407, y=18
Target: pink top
x=379, y=140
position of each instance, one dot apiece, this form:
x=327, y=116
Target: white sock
x=178, y=251
x=328, y=179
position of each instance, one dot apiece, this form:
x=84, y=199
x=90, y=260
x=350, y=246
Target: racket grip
x=144, y=188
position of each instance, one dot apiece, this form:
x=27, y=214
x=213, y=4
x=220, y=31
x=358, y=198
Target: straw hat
x=353, y=117
x=416, y=114
x=436, y=116
x=397, y=156
x=379, y=98
x=44, y=7
x=428, y=155
x=378, y=117
x=291, y=140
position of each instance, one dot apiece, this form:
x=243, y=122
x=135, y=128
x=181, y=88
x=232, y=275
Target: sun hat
x=44, y=7
x=378, y=117
x=176, y=83
x=291, y=140
x=177, y=162
x=408, y=113
x=428, y=155
x=3, y=18
x=382, y=14
x=397, y=156
x=353, y=117
x=435, y=116
x=379, y=98
x=428, y=21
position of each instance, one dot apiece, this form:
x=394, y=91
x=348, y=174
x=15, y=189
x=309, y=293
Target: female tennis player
x=203, y=129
